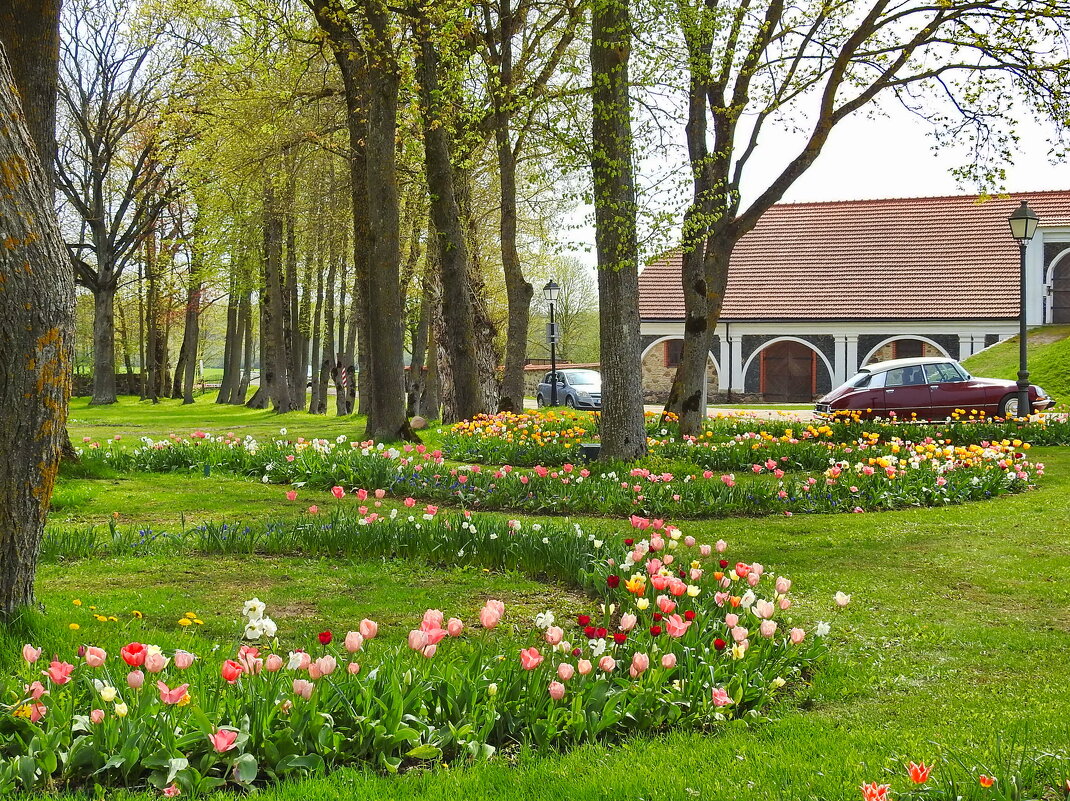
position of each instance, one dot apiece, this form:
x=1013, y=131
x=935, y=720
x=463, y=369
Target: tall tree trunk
x=318, y=403
x=190, y=336
x=36, y=319
x=279, y=368
x=231, y=346
x=245, y=317
x=458, y=333
x=103, y=345
x=518, y=291
x=431, y=401
x=417, y=380
x=152, y=320
x=262, y=397
x=623, y=433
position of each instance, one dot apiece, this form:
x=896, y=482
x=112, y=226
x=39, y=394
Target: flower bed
x=864, y=477
x=677, y=634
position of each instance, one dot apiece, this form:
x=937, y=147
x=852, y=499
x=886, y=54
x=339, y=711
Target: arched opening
x=1060, y=290
x=659, y=363
x=904, y=348
x=788, y=372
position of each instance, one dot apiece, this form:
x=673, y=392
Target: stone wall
x=657, y=377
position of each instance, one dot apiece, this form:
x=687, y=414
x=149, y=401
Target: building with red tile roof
x=818, y=289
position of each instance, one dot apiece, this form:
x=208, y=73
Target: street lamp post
x=550, y=292
x=1023, y=224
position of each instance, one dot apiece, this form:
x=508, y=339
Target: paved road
x=770, y=412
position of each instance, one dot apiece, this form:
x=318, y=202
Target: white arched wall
x=810, y=345
x=660, y=340
x=926, y=340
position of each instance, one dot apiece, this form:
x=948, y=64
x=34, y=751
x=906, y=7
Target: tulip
x=94, y=657
x=325, y=637
x=554, y=635
x=135, y=679
x=338, y=492
x=731, y=620
x=676, y=626
x=183, y=659
x=721, y=546
x=530, y=658
x=454, y=627
x=783, y=585
x=640, y=663
x=313, y=509
x=30, y=654
x=97, y=716
x=353, y=668
x=875, y=792
x=272, y=664
x=223, y=740
x=354, y=641
x=796, y=636
x=628, y=621
x=986, y=781
x=842, y=599
x=919, y=774
x=121, y=709
x=169, y=696
x=666, y=604
x=768, y=628
x=299, y=660
x=231, y=671
x=433, y=619
x=134, y=654
x=58, y=672
x=721, y=697
x=368, y=629
x=763, y=609
x=107, y=692
x=739, y=633
x=607, y=664
x=557, y=690
x=584, y=666
x=303, y=688
x=565, y=671
x=668, y=661
x=325, y=665
x=488, y=617
x=155, y=663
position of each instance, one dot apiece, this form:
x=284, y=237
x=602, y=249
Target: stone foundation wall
x=657, y=378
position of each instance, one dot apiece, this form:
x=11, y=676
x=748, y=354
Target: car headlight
x=584, y=394
x=1040, y=392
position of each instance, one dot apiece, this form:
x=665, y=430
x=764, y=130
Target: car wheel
x=538, y=400
x=1008, y=407
x=570, y=402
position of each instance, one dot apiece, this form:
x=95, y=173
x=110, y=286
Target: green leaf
x=425, y=751
x=246, y=769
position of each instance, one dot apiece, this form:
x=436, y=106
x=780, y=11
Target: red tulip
x=133, y=654
x=231, y=671
x=919, y=774
x=325, y=637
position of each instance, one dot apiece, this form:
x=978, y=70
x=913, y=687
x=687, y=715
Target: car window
x=861, y=380
x=905, y=376
x=583, y=377
x=942, y=373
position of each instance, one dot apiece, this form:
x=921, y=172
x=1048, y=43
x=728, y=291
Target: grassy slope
x=1049, y=360
x=958, y=637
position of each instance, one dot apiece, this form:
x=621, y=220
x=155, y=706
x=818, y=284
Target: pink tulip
x=530, y=658
x=303, y=688
x=731, y=620
x=435, y=636
x=368, y=629
x=554, y=635
x=557, y=690
x=797, y=636
x=783, y=585
x=353, y=668
x=171, y=791
x=171, y=697
x=488, y=617
x=183, y=659
x=37, y=711
x=223, y=740
x=272, y=664
x=433, y=619
x=607, y=664
x=35, y=690
x=584, y=666
x=454, y=627
x=231, y=671
x=313, y=509
x=565, y=671
x=640, y=663
x=677, y=587
x=666, y=605
x=668, y=661
x=96, y=716
x=739, y=633
x=689, y=541
x=59, y=672
x=291, y=495
x=430, y=649
x=417, y=639
x=354, y=641
x=338, y=492
x=705, y=550
x=628, y=621
x=676, y=626
x=30, y=654
x=410, y=502
x=784, y=603
x=135, y=679
x=326, y=665
x=94, y=657
x=156, y=662
x=721, y=697
x=721, y=546
x=763, y=609
x=768, y=628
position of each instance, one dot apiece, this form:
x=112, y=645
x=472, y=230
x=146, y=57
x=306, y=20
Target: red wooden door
x=788, y=372
x=1060, y=292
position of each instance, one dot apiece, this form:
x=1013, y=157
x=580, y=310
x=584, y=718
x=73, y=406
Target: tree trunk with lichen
x=36, y=315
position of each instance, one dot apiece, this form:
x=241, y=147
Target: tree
x=809, y=67
x=111, y=167
x=36, y=315
x=623, y=431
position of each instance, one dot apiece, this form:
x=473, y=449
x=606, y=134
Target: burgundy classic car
x=930, y=388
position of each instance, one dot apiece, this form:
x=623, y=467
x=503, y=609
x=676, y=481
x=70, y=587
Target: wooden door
x=788, y=372
x=1060, y=292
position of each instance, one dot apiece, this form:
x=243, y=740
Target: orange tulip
x=986, y=781
x=919, y=774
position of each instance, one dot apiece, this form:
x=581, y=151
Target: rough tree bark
x=36, y=316
x=623, y=432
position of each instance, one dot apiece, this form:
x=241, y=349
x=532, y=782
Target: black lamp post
x=550, y=292
x=1023, y=225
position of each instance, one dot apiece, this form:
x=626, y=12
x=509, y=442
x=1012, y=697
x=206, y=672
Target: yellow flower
x=184, y=700
x=101, y=618
x=191, y=615
x=22, y=712
x=182, y=621
x=200, y=622
x=693, y=590
x=76, y=602
x=121, y=709
x=642, y=603
x=636, y=584
x=74, y=627
x=137, y=614
x=113, y=619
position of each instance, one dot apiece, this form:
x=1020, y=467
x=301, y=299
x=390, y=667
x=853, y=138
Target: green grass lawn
x=956, y=641
x=1049, y=360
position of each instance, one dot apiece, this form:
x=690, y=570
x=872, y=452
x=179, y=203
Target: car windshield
x=860, y=379
x=583, y=377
